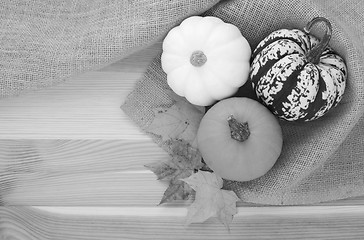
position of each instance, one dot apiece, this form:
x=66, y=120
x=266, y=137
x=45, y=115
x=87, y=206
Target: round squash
x=205, y=59
x=297, y=76
x=239, y=139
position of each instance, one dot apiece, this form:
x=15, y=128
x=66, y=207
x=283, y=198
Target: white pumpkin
x=205, y=59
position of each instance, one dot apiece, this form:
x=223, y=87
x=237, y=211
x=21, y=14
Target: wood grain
x=78, y=155
x=255, y=223
x=108, y=188
x=72, y=167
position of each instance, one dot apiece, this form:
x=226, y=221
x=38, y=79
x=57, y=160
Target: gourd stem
x=315, y=53
x=198, y=58
x=239, y=131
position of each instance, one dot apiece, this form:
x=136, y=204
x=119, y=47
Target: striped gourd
x=297, y=76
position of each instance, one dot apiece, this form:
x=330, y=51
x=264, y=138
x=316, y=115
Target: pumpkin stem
x=315, y=53
x=198, y=58
x=239, y=131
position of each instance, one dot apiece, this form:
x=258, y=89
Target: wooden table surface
x=72, y=167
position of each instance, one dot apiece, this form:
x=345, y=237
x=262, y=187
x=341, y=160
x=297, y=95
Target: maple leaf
x=210, y=199
x=183, y=148
x=181, y=165
x=180, y=120
x=177, y=190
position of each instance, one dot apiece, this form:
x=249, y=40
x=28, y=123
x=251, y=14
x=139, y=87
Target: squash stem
x=198, y=58
x=239, y=131
x=315, y=53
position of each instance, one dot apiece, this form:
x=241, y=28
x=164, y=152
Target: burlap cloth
x=44, y=43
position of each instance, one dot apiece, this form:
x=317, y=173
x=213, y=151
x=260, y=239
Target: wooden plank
x=87, y=107
x=78, y=155
x=94, y=188
x=108, y=188
x=250, y=223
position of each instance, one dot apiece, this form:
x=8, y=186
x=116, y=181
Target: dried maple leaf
x=180, y=120
x=177, y=190
x=181, y=165
x=210, y=200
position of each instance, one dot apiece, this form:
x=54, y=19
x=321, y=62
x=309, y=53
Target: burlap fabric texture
x=43, y=43
x=322, y=160
x=46, y=42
